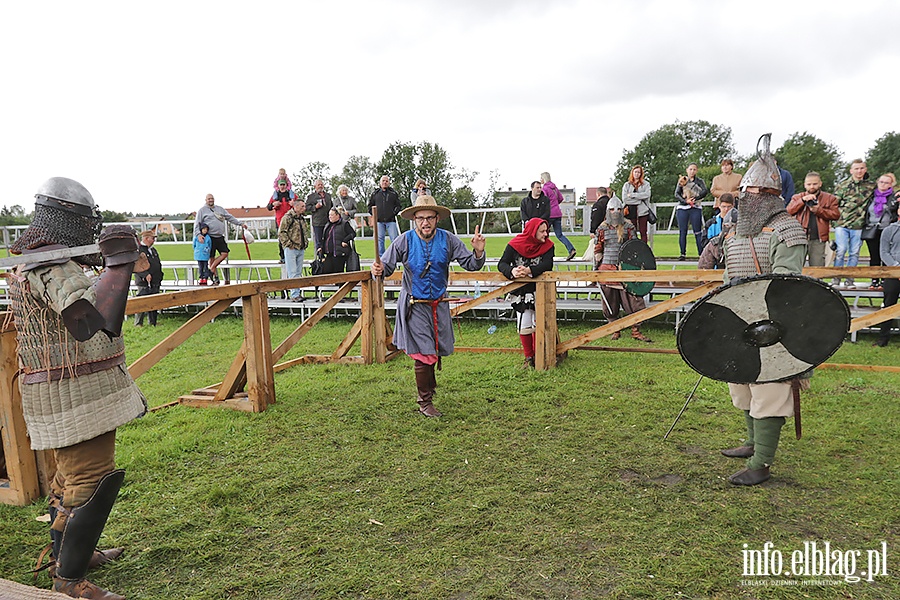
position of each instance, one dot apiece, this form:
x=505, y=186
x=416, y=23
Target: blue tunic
x=414, y=330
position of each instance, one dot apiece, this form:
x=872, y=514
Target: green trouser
x=749, y=420
x=766, y=433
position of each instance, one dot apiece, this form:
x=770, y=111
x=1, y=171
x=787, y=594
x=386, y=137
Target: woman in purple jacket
x=552, y=192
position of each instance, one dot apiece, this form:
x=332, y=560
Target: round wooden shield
x=763, y=329
x=636, y=255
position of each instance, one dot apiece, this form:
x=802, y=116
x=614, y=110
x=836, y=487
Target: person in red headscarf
x=527, y=255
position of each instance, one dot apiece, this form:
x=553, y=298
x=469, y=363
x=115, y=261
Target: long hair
x=636, y=182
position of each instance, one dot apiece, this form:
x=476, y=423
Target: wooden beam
x=874, y=368
x=486, y=350
x=487, y=297
x=545, y=336
x=177, y=337
x=638, y=317
x=319, y=359
x=138, y=304
x=379, y=320
x=349, y=340
x=304, y=328
x=231, y=403
x=236, y=375
x=260, y=381
x=21, y=465
x=365, y=321
x=879, y=316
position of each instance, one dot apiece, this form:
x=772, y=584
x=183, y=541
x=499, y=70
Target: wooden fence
x=249, y=383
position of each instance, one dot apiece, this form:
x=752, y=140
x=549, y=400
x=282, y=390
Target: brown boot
x=739, y=452
x=636, y=334
x=82, y=588
x=616, y=335
x=750, y=476
x=425, y=384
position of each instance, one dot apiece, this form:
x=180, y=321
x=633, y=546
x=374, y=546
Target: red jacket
x=826, y=211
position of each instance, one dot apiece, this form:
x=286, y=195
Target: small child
x=202, y=250
x=282, y=176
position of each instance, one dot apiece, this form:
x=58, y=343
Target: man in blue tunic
x=424, y=329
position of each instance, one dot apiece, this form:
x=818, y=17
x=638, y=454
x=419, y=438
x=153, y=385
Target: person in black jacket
x=148, y=281
x=336, y=241
x=527, y=255
x=598, y=210
x=535, y=205
x=386, y=200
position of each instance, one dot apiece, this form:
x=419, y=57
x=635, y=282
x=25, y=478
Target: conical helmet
x=763, y=173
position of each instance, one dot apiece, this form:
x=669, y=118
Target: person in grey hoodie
x=214, y=217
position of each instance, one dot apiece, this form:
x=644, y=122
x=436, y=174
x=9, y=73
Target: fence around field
x=503, y=221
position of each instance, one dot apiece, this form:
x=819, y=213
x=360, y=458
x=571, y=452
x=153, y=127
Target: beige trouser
x=79, y=468
x=763, y=399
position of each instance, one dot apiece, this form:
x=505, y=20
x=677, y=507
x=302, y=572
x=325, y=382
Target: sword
x=48, y=255
x=683, y=408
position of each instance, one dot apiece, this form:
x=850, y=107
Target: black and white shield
x=636, y=255
x=763, y=329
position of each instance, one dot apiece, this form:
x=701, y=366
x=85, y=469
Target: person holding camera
x=821, y=205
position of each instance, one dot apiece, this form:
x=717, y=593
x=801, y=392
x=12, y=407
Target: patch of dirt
x=629, y=475
x=668, y=479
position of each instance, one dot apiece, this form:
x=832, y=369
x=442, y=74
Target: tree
x=666, y=152
x=358, y=175
x=406, y=162
x=884, y=156
x=304, y=181
x=804, y=152
x=14, y=215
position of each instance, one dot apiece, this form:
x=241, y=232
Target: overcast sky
x=152, y=105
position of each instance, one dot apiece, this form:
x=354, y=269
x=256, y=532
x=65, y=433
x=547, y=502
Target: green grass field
x=534, y=485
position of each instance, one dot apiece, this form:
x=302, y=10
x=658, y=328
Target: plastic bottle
x=492, y=330
x=478, y=289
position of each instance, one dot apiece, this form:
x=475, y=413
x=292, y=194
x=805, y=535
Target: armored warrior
x=75, y=388
x=609, y=237
x=766, y=240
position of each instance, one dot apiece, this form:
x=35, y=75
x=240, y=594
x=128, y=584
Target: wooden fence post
x=546, y=332
x=21, y=465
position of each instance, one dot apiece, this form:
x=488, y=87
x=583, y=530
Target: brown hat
x=425, y=203
x=148, y=233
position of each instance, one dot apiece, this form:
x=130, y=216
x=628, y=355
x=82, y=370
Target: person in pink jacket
x=552, y=192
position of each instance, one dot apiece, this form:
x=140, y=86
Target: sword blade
x=37, y=257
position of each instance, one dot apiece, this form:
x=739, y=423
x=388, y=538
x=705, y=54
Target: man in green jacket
x=854, y=195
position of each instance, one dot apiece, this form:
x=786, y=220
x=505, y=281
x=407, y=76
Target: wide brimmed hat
x=425, y=203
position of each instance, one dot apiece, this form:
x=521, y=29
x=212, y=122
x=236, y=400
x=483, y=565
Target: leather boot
x=616, y=335
x=738, y=452
x=425, y=384
x=636, y=334
x=750, y=476
x=74, y=546
x=745, y=451
x=99, y=558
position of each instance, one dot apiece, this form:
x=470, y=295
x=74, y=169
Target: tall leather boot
x=75, y=544
x=425, y=384
x=99, y=558
x=746, y=450
x=767, y=433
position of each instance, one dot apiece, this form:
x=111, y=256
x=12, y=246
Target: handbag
x=317, y=266
x=353, y=259
x=651, y=216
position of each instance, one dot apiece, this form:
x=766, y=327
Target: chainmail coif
x=54, y=226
